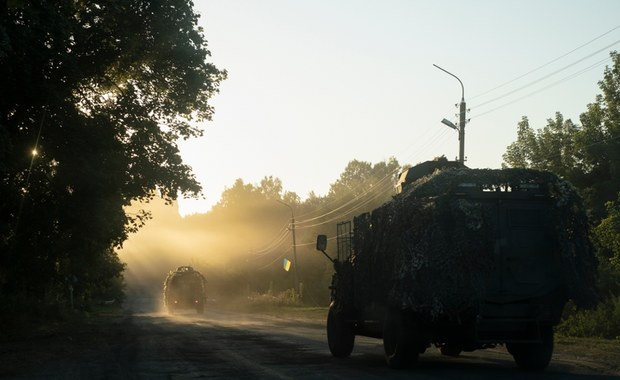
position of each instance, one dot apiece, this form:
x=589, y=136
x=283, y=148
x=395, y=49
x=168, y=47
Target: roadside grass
x=47, y=324
x=597, y=347
x=591, y=344
x=32, y=340
x=593, y=350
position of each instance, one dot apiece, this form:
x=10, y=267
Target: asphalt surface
x=230, y=345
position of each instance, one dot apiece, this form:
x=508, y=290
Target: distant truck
x=185, y=288
x=462, y=259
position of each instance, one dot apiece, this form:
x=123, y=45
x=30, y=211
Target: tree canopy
x=588, y=154
x=94, y=97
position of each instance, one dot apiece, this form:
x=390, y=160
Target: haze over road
x=232, y=345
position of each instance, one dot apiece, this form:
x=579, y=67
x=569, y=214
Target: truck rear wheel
x=533, y=356
x=450, y=349
x=398, y=340
x=340, y=334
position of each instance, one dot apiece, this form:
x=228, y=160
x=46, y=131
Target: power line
x=278, y=240
x=334, y=201
x=547, y=76
x=368, y=189
x=341, y=215
x=274, y=243
x=599, y=63
x=346, y=204
x=272, y=262
x=548, y=63
x=437, y=136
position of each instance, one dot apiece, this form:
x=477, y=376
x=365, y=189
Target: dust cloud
x=221, y=248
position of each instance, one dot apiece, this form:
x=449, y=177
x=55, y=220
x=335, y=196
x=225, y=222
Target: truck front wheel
x=340, y=334
x=533, y=356
x=398, y=342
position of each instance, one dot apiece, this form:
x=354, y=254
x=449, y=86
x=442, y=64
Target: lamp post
x=461, y=126
x=294, y=245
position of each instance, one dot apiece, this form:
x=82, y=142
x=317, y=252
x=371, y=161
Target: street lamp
x=294, y=245
x=462, y=121
x=449, y=124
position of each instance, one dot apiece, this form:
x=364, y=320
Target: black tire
x=340, y=333
x=398, y=340
x=450, y=350
x=533, y=356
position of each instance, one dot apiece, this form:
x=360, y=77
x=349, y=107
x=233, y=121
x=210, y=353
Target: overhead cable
x=546, y=64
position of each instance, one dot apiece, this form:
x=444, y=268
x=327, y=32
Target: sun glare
x=210, y=246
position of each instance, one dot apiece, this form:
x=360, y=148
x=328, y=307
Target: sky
x=313, y=85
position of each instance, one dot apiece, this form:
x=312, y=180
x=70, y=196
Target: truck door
x=525, y=250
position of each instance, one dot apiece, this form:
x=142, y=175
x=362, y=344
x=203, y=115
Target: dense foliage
x=94, y=96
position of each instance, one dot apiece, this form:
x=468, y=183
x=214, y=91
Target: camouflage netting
x=435, y=248
x=184, y=279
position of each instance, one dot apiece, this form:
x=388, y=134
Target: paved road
x=228, y=345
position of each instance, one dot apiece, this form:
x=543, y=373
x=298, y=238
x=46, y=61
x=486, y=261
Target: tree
x=587, y=155
x=360, y=178
x=607, y=236
x=599, y=138
x=271, y=187
x=522, y=153
x=240, y=195
x=102, y=92
x=551, y=148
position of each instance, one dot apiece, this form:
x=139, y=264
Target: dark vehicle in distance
x=462, y=259
x=185, y=288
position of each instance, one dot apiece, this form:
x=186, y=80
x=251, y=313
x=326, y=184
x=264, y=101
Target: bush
x=21, y=315
x=602, y=322
x=285, y=298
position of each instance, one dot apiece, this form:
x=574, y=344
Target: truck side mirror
x=321, y=243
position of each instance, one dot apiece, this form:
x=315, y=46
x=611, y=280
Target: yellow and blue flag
x=286, y=264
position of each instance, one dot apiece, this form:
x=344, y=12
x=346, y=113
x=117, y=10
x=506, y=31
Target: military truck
x=185, y=288
x=462, y=259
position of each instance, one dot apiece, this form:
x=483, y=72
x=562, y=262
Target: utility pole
x=462, y=118
x=294, y=245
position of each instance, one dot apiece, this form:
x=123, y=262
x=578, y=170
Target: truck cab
x=185, y=288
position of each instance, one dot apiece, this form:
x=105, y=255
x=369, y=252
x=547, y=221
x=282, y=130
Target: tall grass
x=602, y=322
